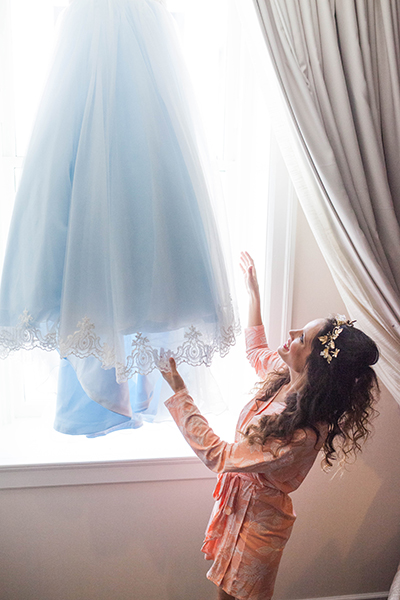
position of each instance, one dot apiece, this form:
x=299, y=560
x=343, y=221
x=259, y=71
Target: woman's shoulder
x=314, y=436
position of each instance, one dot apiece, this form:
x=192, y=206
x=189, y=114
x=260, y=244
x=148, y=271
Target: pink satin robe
x=253, y=515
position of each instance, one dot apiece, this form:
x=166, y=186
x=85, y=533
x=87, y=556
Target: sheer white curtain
x=237, y=128
x=338, y=64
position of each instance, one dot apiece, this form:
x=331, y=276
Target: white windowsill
x=51, y=475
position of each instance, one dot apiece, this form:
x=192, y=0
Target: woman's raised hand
x=173, y=378
x=249, y=271
x=250, y=278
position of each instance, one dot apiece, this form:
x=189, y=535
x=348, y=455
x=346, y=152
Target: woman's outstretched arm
x=259, y=355
x=274, y=458
x=250, y=278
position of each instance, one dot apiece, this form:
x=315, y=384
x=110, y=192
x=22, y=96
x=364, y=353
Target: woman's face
x=298, y=346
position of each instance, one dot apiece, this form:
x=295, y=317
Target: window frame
x=277, y=311
x=130, y=471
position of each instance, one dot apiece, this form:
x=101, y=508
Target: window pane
x=32, y=39
x=237, y=131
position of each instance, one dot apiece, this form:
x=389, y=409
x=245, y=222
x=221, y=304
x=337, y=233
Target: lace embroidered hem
x=143, y=357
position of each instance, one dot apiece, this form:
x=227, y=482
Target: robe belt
x=227, y=489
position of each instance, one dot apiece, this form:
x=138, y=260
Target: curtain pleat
x=338, y=65
x=394, y=592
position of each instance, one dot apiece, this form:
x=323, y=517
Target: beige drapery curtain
x=394, y=592
x=338, y=64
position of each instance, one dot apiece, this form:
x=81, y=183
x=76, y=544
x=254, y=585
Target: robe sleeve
x=259, y=355
x=224, y=457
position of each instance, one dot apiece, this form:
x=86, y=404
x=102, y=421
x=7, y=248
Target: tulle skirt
x=114, y=256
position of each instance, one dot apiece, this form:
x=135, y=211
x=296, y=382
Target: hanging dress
x=114, y=257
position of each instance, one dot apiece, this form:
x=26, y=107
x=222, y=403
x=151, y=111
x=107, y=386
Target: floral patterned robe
x=253, y=515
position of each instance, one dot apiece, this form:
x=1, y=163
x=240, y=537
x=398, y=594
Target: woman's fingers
x=246, y=258
x=246, y=262
x=249, y=271
x=172, y=377
x=243, y=263
x=172, y=364
x=168, y=374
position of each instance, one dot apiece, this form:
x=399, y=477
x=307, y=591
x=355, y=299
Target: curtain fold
x=394, y=592
x=338, y=66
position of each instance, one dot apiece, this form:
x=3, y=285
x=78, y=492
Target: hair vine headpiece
x=330, y=351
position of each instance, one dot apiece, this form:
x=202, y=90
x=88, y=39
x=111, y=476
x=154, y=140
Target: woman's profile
x=317, y=394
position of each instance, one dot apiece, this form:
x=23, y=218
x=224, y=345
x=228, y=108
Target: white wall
x=141, y=541
x=109, y=542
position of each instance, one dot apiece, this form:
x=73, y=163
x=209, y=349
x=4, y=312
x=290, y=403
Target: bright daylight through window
x=214, y=39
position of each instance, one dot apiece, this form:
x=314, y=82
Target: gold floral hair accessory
x=330, y=351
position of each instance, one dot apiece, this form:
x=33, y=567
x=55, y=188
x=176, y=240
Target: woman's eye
x=302, y=338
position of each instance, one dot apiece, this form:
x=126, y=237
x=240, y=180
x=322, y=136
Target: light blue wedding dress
x=113, y=255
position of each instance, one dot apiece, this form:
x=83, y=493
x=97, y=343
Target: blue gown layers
x=113, y=255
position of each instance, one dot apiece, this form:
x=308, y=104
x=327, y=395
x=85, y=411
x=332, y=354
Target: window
x=229, y=92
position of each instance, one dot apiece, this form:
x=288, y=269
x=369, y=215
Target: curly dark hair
x=340, y=394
